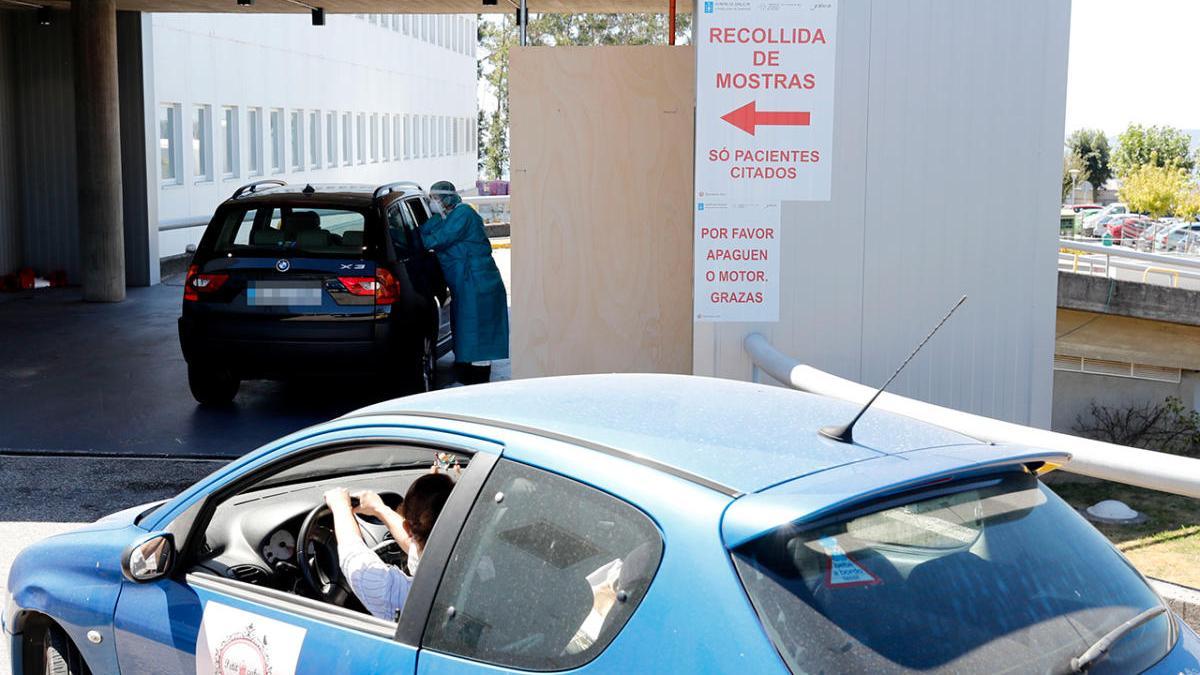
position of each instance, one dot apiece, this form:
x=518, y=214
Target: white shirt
x=380, y=587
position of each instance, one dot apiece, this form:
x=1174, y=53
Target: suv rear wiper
x=1100, y=648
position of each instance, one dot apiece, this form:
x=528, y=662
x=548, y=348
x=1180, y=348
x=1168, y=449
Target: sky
x=1133, y=61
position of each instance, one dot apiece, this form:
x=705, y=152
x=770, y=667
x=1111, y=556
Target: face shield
x=443, y=198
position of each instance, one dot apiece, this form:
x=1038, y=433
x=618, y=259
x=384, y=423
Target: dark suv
x=327, y=279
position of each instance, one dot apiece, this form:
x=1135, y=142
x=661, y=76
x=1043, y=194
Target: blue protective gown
x=479, y=306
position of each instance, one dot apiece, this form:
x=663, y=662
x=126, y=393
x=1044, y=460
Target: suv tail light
x=359, y=285
x=383, y=286
x=197, y=284
x=387, y=288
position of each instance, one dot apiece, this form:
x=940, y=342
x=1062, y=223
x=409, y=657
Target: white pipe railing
x=1118, y=463
x=1184, y=262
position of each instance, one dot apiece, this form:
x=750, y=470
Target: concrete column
x=98, y=145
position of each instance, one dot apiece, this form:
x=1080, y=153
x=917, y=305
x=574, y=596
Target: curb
x=1182, y=600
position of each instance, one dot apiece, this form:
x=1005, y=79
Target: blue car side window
x=546, y=573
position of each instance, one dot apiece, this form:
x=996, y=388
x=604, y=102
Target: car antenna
x=844, y=433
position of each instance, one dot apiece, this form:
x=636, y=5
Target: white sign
x=236, y=642
x=764, y=135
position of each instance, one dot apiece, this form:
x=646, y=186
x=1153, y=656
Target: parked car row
x=1117, y=225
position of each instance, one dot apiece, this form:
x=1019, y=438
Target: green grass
x=1166, y=546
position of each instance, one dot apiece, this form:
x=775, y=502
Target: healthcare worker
x=479, y=306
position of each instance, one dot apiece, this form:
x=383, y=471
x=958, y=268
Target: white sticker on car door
x=237, y=642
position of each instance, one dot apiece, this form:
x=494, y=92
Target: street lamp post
x=1074, y=176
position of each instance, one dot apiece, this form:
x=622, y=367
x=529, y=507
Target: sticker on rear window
x=843, y=571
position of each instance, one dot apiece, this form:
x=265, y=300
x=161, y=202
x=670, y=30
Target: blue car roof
x=744, y=436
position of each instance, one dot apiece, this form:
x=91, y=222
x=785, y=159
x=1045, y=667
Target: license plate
x=292, y=294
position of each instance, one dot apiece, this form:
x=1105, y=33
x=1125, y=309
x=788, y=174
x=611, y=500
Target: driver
x=380, y=587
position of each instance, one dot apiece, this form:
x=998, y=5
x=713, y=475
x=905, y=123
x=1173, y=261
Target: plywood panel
x=602, y=238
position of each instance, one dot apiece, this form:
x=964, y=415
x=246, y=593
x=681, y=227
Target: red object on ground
x=58, y=279
x=25, y=278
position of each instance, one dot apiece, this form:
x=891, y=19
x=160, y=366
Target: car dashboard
x=254, y=537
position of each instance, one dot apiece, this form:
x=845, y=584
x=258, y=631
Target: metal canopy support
x=523, y=21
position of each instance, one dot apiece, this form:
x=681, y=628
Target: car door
x=544, y=576
x=199, y=622
x=417, y=212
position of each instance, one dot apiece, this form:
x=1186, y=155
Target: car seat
x=353, y=238
x=300, y=221
x=266, y=237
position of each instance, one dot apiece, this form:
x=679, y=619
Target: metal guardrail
x=1118, y=463
x=182, y=223
x=1184, y=262
x=492, y=208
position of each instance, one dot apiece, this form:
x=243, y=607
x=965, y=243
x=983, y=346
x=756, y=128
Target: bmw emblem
x=283, y=265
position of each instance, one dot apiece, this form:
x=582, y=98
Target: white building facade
x=369, y=98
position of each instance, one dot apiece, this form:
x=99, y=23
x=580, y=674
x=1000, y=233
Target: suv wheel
x=212, y=385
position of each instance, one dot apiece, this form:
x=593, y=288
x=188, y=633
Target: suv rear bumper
x=280, y=358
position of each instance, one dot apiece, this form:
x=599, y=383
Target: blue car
x=617, y=524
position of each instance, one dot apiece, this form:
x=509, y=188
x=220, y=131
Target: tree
x=1160, y=146
x=1091, y=145
x=1071, y=161
x=1156, y=190
x=498, y=36
x=1187, y=205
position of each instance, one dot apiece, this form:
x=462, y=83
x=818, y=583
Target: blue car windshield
x=996, y=576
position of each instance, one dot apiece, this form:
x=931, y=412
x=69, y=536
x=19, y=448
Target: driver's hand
x=338, y=498
x=369, y=503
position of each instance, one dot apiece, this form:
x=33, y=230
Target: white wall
x=935, y=99
x=282, y=61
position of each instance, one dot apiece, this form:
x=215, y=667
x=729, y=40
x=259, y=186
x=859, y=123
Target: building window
x=347, y=140
x=362, y=138
x=297, y=140
x=406, y=26
x=202, y=143
x=397, y=136
x=277, y=140
x=408, y=133
x=314, y=139
x=331, y=139
x=386, y=127
x=232, y=137
x=426, y=136
x=373, y=18
x=168, y=143
x=374, y=137
x=254, y=121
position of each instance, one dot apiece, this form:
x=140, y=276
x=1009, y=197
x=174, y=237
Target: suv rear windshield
x=311, y=231
x=996, y=576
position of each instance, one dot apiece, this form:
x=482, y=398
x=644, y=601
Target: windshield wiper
x=1100, y=648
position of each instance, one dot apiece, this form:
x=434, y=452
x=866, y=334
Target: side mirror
x=149, y=558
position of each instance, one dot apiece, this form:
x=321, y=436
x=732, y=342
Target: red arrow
x=748, y=117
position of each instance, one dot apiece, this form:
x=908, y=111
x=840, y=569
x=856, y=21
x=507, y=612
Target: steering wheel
x=320, y=567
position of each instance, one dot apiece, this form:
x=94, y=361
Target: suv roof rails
x=392, y=187
x=251, y=186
